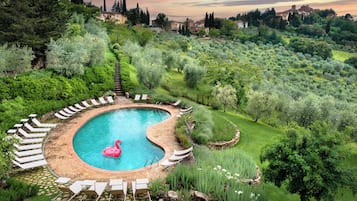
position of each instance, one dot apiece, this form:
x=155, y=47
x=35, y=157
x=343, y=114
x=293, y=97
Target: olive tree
x=225, y=95
x=149, y=66
x=193, y=73
x=15, y=59
x=260, y=104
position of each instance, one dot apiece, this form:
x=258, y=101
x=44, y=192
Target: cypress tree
x=147, y=17
x=124, y=7
x=206, y=20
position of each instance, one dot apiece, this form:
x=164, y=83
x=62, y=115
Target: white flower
x=240, y=192
x=219, y=167
x=236, y=191
x=215, y=168
x=224, y=170
x=251, y=195
x=236, y=174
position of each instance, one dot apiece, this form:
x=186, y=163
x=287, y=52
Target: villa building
x=111, y=16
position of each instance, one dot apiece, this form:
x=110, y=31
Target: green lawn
x=254, y=136
x=342, y=55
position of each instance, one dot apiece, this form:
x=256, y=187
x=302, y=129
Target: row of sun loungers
x=73, y=109
x=30, y=134
x=92, y=189
x=139, y=97
x=176, y=157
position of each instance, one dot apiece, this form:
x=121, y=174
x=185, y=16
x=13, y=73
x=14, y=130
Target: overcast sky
x=196, y=9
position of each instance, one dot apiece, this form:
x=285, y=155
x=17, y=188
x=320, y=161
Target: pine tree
x=32, y=23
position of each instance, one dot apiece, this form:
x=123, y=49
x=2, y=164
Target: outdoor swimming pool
x=128, y=125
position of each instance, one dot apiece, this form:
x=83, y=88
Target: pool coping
x=63, y=161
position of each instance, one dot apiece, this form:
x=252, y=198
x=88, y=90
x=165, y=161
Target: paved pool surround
x=63, y=160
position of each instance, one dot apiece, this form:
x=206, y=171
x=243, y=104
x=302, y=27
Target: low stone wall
x=225, y=144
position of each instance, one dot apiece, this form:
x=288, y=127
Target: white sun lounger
x=183, y=152
x=86, y=104
x=30, y=165
x=39, y=124
x=63, y=113
x=30, y=158
x=74, y=109
x=177, y=103
x=28, y=153
x=32, y=129
x=110, y=99
x=78, y=106
x=102, y=101
x=139, y=187
x=137, y=97
x=28, y=140
x=27, y=147
x=73, y=190
x=144, y=97
x=30, y=135
x=179, y=157
x=94, y=102
x=97, y=189
x=68, y=111
x=118, y=188
x=167, y=163
x=60, y=116
x=186, y=110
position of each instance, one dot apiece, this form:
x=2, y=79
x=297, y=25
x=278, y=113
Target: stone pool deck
x=63, y=162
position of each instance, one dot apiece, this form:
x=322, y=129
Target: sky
x=196, y=9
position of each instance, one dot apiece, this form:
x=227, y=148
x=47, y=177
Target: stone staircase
x=118, y=89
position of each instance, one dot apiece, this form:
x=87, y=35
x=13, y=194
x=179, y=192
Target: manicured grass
x=254, y=136
x=223, y=129
x=342, y=55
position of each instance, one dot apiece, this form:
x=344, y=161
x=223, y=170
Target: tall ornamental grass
x=223, y=175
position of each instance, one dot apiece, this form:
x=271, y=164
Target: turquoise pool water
x=128, y=125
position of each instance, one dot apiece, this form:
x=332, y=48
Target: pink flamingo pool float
x=113, y=151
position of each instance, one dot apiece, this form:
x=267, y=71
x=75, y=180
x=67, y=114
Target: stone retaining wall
x=225, y=144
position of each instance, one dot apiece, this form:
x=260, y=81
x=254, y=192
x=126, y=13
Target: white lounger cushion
x=32, y=129
x=30, y=158
x=30, y=165
x=31, y=135
x=86, y=104
x=28, y=153
x=137, y=97
x=79, y=106
x=28, y=140
x=179, y=157
x=68, y=111
x=183, y=152
x=166, y=163
x=60, y=116
x=63, y=113
x=74, y=109
x=102, y=101
x=98, y=187
x=94, y=102
x=176, y=103
x=110, y=99
x=27, y=147
x=144, y=97
x=39, y=124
